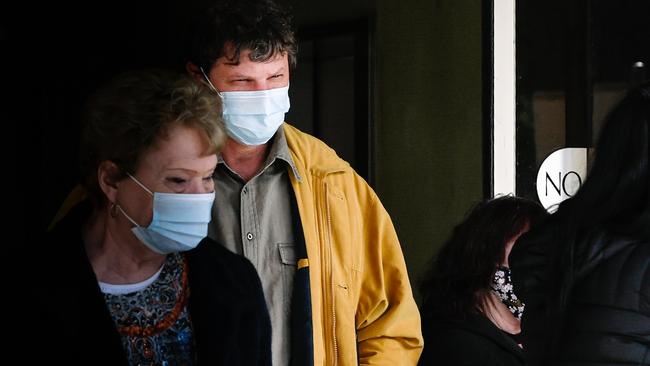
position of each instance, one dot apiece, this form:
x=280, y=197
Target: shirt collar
x=279, y=151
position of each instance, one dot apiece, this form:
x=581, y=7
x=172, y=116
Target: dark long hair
x=463, y=269
x=616, y=192
x=615, y=198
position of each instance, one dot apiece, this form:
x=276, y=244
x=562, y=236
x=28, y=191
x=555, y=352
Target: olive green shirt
x=254, y=219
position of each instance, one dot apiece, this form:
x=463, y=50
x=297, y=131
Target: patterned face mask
x=502, y=285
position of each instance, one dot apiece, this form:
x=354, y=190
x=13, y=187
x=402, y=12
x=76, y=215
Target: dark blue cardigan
x=72, y=325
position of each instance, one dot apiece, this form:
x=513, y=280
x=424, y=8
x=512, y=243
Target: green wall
x=429, y=147
x=427, y=58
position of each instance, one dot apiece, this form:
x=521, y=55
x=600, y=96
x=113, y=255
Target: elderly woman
x=131, y=276
x=470, y=314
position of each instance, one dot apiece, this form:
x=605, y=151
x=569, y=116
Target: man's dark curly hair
x=261, y=26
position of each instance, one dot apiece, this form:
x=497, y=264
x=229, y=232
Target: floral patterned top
x=154, y=322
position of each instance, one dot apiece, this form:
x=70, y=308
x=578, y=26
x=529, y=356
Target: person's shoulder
x=212, y=259
x=457, y=343
x=613, y=260
x=610, y=241
x=471, y=329
x=311, y=151
x=210, y=250
x=297, y=137
x=314, y=157
x=61, y=245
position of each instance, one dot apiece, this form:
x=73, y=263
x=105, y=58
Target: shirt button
x=249, y=236
x=245, y=190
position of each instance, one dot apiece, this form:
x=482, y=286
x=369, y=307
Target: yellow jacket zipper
x=329, y=275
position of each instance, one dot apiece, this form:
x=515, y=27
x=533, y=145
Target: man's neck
x=244, y=160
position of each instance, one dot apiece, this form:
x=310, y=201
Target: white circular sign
x=561, y=175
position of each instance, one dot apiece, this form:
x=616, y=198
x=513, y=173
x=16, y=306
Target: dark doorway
x=331, y=93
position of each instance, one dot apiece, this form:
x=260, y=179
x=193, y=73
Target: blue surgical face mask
x=253, y=117
x=180, y=221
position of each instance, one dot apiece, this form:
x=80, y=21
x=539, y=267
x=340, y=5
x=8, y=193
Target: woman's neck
x=499, y=314
x=118, y=258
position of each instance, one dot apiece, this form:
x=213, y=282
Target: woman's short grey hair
x=132, y=112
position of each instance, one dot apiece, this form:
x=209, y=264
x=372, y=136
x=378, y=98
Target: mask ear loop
x=209, y=82
x=115, y=206
x=125, y=215
x=113, y=212
x=140, y=184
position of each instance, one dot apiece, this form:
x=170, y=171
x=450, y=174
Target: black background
x=54, y=55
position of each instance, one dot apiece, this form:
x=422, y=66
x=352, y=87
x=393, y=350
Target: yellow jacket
x=360, y=292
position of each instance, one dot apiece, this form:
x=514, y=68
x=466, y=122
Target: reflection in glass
x=571, y=71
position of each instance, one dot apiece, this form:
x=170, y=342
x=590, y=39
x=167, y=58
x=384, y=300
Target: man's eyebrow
x=183, y=169
x=279, y=71
x=238, y=76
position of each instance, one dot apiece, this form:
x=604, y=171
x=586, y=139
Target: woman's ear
x=108, y=176
x=194, y=72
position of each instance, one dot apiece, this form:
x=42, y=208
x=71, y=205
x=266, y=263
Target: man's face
x=247, y=75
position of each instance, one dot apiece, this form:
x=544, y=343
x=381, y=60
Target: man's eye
x=176, y=180
x=276, y=76
x=208, y=179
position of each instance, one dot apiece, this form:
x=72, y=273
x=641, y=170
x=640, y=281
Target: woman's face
x=511, y=243
x=177, y=163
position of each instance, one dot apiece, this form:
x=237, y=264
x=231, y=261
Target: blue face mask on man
x=253, y=117
x=180, y=221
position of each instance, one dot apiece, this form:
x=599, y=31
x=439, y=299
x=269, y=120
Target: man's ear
x=108, y=176
x=194, y=72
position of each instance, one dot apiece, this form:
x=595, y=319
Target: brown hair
x=132, y=112
x=261, y=26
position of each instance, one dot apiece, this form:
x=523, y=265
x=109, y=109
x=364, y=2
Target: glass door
x=574, y=60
